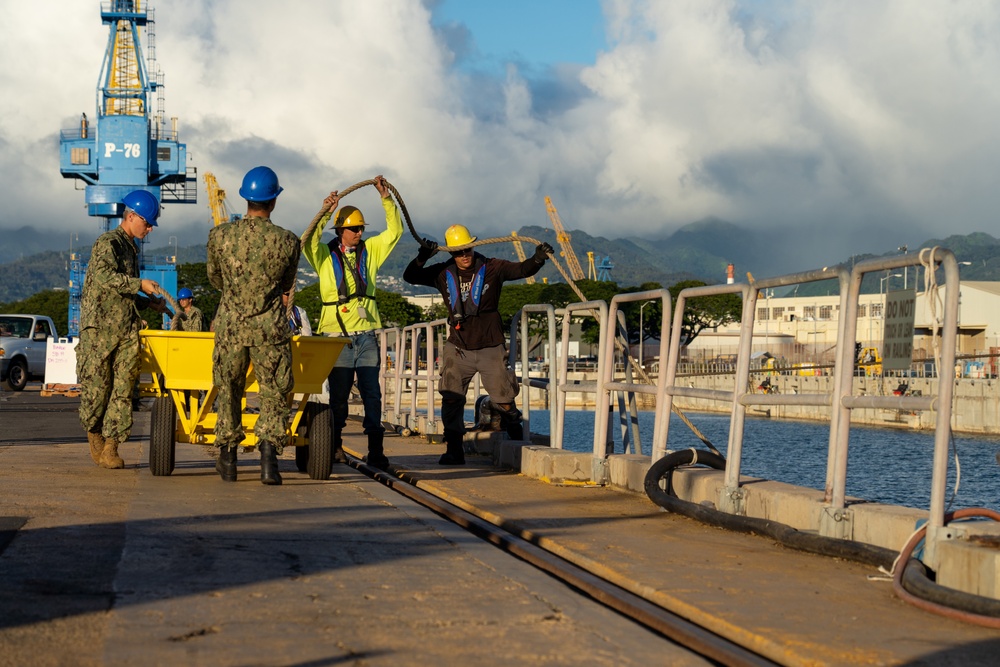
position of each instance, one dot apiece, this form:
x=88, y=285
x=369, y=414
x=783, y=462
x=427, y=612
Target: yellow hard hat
x=458, y=235
x=348, y=216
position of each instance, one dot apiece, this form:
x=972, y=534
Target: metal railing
x=628, y=388
x=840, y=400
x=519, y=352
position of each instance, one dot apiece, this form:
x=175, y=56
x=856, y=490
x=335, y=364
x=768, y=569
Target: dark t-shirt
x=485, y=328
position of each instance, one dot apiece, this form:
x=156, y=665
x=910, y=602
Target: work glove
x=542, y=252
x=427, y=249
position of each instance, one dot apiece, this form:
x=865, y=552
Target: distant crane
x=217, y=203
x=575, y=270
x=519, y=249
x=604, y=269
x=602, y=272
x=130, y=149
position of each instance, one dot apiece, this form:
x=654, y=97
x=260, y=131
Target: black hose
x=914, y=577
x=785, y=535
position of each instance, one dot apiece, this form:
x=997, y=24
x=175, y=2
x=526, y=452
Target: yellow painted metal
x=124, y=74
x=519, y=249
x=575, y=270
x=221, y=211
x=180, y=365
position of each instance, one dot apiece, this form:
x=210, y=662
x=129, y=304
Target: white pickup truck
x=22, y=348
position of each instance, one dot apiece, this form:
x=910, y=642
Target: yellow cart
x=180, y=364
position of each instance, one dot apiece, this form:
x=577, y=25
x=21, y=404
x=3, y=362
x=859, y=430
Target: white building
x=807, y=326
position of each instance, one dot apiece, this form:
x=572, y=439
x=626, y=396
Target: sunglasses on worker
x=459, y=253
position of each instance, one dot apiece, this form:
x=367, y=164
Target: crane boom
x=221, y=212
x=575, y=269
x=519, y=249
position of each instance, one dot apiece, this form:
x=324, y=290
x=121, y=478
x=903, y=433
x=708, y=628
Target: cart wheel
x=302, y=458
x=163, y=425
x=319, y=458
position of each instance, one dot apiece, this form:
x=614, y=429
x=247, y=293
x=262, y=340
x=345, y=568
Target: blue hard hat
x=260, y=184
x=184, y=293
x=144, y=203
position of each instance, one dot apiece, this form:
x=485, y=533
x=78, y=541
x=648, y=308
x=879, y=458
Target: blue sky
x=539, y=32
x=849, y=126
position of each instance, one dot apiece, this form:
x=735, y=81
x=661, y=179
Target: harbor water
x=885, y=465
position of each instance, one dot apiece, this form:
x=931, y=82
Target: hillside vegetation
x=699, y=251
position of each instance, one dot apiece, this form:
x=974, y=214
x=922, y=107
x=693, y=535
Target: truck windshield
x=19, y=327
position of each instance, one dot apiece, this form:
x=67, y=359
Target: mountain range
x=32, y=261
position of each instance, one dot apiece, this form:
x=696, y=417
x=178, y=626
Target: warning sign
x=897, y=345
x=60, y=361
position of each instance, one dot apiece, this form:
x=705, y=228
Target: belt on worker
x=354, y=336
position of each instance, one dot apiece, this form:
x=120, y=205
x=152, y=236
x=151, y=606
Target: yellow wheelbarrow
x=180, y=364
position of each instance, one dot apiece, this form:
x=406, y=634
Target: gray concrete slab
x=796, y=608
x=123, y=568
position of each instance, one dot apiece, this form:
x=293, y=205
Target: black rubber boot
x=510, y=419
x=376, y=455
x=225, y=465
x=269, y=465
x=454, y=455
x=338, y=448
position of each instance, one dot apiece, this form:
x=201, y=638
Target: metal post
x=642, y=335
x=903, y=249
x=767, y=320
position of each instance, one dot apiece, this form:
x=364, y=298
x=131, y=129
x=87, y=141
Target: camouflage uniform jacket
x=110, y=300
x=252, y=261
x=192, y=320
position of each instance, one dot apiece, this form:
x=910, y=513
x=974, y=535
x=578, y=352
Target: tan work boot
x=96, y=441
x=109, y=457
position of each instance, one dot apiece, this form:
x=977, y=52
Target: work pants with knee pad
x=458, y=367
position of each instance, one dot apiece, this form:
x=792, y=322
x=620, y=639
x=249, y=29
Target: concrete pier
x=120, y=567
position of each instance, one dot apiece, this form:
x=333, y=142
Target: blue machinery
x=128, y=147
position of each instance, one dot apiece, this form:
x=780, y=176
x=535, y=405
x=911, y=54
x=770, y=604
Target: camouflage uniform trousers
x=107, y=369
x=273, y=367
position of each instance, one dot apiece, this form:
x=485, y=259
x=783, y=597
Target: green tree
x=52, y=303
x=706, y=312
x=309, y=299
x=396, y=311
x=435, y=311
x=194, y=276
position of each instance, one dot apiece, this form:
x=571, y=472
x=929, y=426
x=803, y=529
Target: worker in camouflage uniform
x=252, y=261
x=189, y=317
x=107, y=356
x=347, y=267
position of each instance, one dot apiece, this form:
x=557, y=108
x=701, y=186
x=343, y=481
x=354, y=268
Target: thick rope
x=619, y=344
x=170, y=299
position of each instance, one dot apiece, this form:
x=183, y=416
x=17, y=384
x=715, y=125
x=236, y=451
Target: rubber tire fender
x=663, y=470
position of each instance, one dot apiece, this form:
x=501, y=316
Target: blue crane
x=604, y=269
x=128, y=147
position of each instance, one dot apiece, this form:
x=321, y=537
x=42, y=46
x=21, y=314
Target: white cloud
x=877, y=115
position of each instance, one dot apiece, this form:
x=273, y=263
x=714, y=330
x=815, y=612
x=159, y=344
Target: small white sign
x=897, y=338
x=60, y=361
